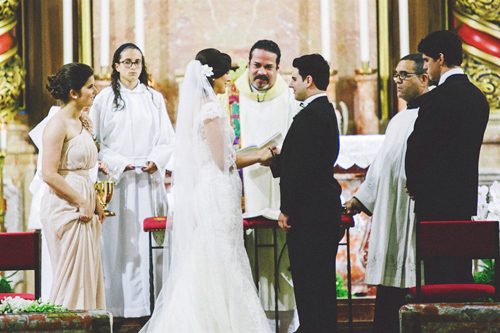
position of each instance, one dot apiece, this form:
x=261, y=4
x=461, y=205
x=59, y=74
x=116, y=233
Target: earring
x=74, y=97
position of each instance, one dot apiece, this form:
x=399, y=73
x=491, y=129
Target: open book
x=272, y=142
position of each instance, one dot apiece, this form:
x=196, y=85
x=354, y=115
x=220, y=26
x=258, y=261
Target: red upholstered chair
x=22, y=251
x=452, y=239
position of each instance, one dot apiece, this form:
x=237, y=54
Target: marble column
x=332, y=86
x=365, y=103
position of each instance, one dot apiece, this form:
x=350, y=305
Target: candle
x=3, y=137
x=67, y=31
x=325, y=30
x=104, y=35
x=364, y=40
x=139, y=24
x=404, y=30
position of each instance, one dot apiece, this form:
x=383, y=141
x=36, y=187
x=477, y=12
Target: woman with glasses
x=136, y=137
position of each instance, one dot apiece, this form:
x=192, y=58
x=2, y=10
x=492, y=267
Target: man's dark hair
x=446, y=42
x=266, y=45
x=418, y=66
x=314, y=65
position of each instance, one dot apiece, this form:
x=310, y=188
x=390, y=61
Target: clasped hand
x=267, y=156
x=86, y=213
x=149, y=168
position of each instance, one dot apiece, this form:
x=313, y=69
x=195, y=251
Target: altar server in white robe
x=391, y=248
x=136, y=138
x=265, y=106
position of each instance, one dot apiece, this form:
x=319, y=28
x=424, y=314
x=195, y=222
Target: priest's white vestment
x=141, y=131
x=261, y=115
x=391, y=248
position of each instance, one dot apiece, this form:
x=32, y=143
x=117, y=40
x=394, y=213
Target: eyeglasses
x=128, y=63
x=403, y=75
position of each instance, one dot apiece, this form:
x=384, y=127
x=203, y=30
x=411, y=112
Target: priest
x=261, y=104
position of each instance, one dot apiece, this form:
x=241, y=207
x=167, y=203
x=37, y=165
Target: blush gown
x=74, y=245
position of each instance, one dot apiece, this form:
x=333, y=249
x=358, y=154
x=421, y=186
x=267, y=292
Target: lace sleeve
x=210, y=111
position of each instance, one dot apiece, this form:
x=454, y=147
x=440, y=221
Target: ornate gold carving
x=8, y=9
x=485, y=77
x=11, y=85
x=486, y=9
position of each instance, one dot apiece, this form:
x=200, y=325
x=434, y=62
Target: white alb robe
x=139, y=132
x=260, y=118
x=259, y=121
x=391, y=248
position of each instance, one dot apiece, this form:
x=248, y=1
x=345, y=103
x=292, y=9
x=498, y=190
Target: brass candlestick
x=365, y=69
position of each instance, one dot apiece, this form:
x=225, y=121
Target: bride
x=209, y=286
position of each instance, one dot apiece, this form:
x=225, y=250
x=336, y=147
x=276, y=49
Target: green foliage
x=487, y=275
x=341, y=290
x=235, y=74
x=19, y=305
x=5, y=287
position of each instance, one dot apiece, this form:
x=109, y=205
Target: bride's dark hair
x=220, y=62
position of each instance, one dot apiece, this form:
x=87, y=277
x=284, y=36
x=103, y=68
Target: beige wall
x=176, y=30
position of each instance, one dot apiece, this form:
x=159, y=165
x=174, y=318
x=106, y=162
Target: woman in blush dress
x=70, y=213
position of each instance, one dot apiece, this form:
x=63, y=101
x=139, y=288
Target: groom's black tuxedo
x=443, y=149
x=310, y=196
x=442, y=164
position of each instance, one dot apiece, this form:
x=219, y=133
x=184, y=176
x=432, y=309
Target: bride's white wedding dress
x=210, y=286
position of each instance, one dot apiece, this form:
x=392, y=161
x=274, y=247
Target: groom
x=310, y=196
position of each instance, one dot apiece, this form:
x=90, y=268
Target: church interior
x=362, y=40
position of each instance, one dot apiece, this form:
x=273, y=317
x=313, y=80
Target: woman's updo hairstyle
x=72, y=76
x=220, y=62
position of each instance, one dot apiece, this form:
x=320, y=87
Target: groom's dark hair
x=314, y=65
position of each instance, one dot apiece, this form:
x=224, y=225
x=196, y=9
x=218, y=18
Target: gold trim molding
x=8, y=10
x=478, y=23
x=487, y=10
x=481, y=54
x=12, y=76
x=485, y=76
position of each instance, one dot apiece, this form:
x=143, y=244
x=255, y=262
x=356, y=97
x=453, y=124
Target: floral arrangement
x=488, y=209
x=488, y=203
x=17, y=305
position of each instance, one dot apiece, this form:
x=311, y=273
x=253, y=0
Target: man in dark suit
x=443, y=150
x=310, y=196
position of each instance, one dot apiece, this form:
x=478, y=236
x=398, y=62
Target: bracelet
x=272, y=153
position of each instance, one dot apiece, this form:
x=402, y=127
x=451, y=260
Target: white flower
x=18, y=305
x=488, y=203
x=495, y=192
x=207, y=70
